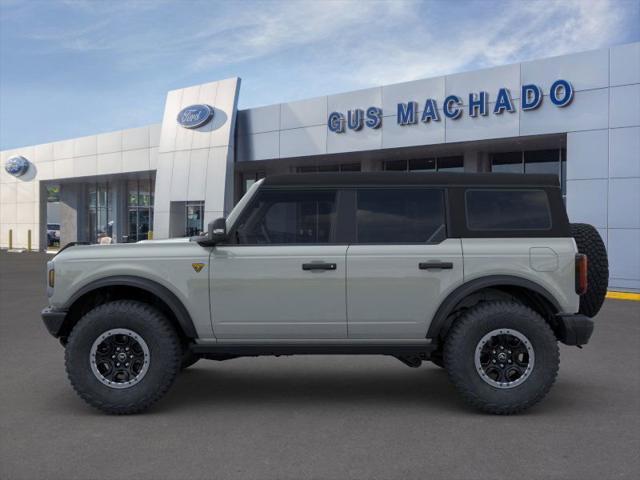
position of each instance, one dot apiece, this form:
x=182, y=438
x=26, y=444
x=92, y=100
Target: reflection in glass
x=288, y=217
x=140, y=209
x=194, y=219
x=507, y=162
x=542, y=161
x=400, y=216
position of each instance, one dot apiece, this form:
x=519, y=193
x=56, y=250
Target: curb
x=635, y=297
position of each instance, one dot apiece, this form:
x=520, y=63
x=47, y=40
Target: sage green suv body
x=391, y=264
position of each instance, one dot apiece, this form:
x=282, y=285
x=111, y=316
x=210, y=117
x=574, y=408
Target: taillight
x=581, y=274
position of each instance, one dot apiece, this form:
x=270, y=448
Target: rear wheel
x=502, y=357
x=589, y=242
x=122, y=356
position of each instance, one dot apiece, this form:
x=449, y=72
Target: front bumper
x=54, y=320
x=574, y=329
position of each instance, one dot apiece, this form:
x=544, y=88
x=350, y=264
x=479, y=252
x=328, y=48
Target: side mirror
x=217, y=232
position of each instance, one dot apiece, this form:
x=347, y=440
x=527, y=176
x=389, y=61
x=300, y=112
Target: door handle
x=435, y=265
x=319, y=266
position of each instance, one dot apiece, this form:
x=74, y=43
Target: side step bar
x=422, y=349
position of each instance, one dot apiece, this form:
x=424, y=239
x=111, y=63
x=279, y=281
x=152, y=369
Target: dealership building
x=575, y=116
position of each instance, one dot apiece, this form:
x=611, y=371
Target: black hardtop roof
x=412, y=178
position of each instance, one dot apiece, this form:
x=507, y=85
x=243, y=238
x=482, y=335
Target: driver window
x=289, y=216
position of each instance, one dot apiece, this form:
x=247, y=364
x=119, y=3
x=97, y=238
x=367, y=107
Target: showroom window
x=553, y=161
x=400, y=216
x=100, y=213
x=343, y=167
x=53, y=215
x=139, y=209
x=435, y=164
x=286, y=217
x=194, y=218
x=249, y=178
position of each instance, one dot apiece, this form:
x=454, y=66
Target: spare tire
x=589, y=242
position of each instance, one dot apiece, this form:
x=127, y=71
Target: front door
x=401, y=265
x=283, y=274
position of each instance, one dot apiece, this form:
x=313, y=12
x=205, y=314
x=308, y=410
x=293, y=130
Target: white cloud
x=384, y=40
x=287, y=26
x=535, y=30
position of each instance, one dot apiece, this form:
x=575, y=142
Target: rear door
x=401, y=265
x=284, y=277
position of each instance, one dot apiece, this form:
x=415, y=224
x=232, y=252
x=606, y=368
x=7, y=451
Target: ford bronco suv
x=481, y=274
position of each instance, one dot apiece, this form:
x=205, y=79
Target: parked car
x=481, y=274
x=53, y=234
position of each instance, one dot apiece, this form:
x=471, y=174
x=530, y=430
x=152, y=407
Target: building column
x=369, y=165
x=476, y=162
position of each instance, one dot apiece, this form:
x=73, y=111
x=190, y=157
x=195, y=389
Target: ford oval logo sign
x=17, y=166
x=195, y=116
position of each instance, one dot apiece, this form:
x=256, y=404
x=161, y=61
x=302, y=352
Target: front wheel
x=502, y=357
x=188, y=358
x=122, y=356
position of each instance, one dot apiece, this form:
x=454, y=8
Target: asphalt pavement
x=316, y=417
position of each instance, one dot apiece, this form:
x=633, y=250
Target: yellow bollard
x=29, y=240
x=10, y=239
x=150, y=235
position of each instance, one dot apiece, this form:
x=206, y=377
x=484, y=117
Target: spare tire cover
x=589, y=242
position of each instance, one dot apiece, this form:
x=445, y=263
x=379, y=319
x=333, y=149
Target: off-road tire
x=165, y=354
x=463, y=339
x=437, y=359
x=188, y=358
x=589, y=242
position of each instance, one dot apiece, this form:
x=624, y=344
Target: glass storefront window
x=439, y=164
x=100, y=212
x=542, y=161
x=508, y=162
x=563, y=172
x=552, y=161
x=451, y=164
x=396, y=165
x=249, y=179
x=140, y=207
x=342, y=167
x=422, y=165
x=194, y=219
x=132, y=193
x=53, y=193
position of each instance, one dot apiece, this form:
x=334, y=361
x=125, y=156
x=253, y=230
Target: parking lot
x=318, y=417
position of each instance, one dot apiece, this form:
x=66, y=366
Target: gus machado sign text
x=560, y=95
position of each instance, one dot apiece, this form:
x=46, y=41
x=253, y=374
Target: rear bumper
x=574, y=329
x=54, y=320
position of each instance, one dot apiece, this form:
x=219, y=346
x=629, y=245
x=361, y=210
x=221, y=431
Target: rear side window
x=400, y=216
x=507, y=210
x=290, y=216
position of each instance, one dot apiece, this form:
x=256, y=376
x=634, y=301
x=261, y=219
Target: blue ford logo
x=16, y=166
x=195, y=116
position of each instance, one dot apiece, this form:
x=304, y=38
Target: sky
x=70, y=68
